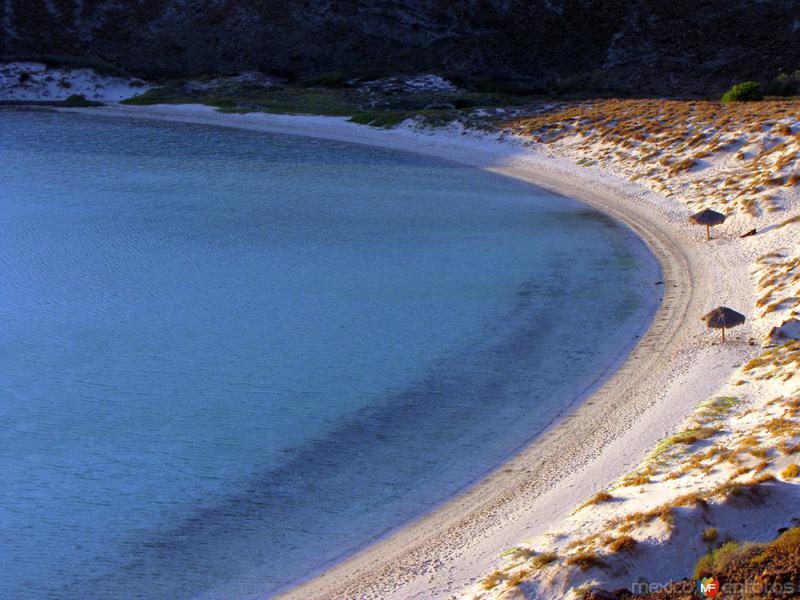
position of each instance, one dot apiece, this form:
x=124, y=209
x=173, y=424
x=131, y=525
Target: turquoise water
x=228, y=359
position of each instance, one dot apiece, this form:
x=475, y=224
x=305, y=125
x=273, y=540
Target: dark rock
x=564, y=46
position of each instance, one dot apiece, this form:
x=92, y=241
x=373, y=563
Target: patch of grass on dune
x=380, y=119
x=161, y=95
x=172, y=95
x=79, y=100
x=387, y=119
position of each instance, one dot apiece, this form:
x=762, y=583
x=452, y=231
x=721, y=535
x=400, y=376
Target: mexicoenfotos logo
x=708, y=587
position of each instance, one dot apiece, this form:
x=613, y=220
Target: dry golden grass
x=653, y=141
x=795, y=177
x=790, y=472
x=787, y=545
x=636, y=478
x=598, y=498
x=710, y=535
x=642, y=518
x=780, y=361
x=492, y=579
x=515, y=577
x=543, y=559
x=750, y=489
x=781, y=427
x=622, y=543
x=585, y=561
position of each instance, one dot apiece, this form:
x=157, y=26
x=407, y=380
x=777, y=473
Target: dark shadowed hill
x=642, y=46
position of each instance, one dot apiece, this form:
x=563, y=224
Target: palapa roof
x=707, y=217
x=723, y=318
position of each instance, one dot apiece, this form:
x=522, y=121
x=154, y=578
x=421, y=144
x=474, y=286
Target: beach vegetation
x=760, y=452
x=638, y=477
x=79, y=100
x=664, y=512
x=516, y=553
x=717, y=408
x=492, y=579
x=585, y=560
x=516, y=577
x=221, y=102
x=543, y=559
x=161, y=95
x=622, y=543
x=791, y=471
x=762, y=466
x=687, y=437
x=796, y=218
x=748, y=91
x=682, y=165
x=716, y=560
x=598, y=498
x=786, y=545
x=710, y=535
x=781, y=426
x=380, y=119
x=749, y=490
x=785, y=84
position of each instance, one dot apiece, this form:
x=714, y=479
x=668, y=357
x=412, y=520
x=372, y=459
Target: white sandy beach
x=674, y=367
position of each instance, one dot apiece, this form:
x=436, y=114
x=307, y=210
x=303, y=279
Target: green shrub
x=785, y=85
x=160, y=95
x=716, y=560
x=380, y=119
x=79, y=100
x=748, y=91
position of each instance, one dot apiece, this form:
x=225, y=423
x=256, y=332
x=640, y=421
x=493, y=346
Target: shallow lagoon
x=229, y=358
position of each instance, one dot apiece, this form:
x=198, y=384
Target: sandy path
x=672, y=369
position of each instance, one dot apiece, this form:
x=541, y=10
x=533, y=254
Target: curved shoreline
x=442, y=552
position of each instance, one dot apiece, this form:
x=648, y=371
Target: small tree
x=744, y=92
x=785, y=85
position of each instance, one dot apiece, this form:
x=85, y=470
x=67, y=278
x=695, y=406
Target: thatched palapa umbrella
x=709, y=218
x=723, y=318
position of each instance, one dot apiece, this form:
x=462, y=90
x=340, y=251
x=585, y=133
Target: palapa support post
x=709, y=218
x=723, y=318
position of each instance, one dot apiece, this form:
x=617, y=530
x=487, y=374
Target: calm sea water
x=230, y=358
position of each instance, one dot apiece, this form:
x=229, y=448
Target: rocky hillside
x=743, y=571
x=638, y=46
